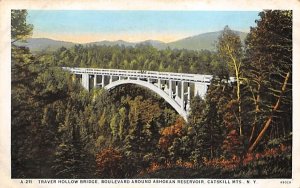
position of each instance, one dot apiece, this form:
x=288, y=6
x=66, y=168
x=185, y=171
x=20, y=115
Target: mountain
x=205, y=41
x=155, y=43
x=39, y=44
x=112, y=43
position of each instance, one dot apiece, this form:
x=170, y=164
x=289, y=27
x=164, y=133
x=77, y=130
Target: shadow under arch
x=153, y=88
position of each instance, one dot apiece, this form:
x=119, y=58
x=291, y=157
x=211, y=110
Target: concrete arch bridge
x=176, y=88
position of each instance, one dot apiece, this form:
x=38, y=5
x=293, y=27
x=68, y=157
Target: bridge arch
x=153, y=88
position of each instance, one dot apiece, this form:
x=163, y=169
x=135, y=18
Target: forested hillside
x=238, y=130
x=143, y=57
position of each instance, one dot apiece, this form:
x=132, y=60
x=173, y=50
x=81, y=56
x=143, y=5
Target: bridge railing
x=142, y=74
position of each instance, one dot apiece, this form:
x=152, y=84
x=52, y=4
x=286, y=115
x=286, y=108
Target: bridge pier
x=200, y=89
x=95, y=81
x=189, y=92
x=176, y=88
x=159, y=83
x=182, y=95
x=85, y=81
x=188, y=97
x=170, y=88
x=102, y=81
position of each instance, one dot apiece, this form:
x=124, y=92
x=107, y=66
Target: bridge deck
x=142, y=74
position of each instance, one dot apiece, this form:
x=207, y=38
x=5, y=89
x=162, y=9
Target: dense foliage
x=140, y=57
x=240, y=129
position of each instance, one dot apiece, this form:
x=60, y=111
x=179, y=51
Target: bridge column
x=188, y=97
x=159, y=83
x=148, y=79
x=110, y=79
x=103, y=78
x=182, y=95
x=200, y=89
x=85, y=81
x=170, y=88
x=95, y=81
x=177, y=91
x=189, y=92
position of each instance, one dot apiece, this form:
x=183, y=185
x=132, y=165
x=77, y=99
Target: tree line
x=239, y=129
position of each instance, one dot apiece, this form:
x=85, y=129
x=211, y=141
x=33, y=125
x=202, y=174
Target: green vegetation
x=142, y=57
x=239, y=130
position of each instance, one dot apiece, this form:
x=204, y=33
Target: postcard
x=139, y=93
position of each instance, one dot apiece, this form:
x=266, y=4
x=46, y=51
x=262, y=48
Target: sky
x=89, y=26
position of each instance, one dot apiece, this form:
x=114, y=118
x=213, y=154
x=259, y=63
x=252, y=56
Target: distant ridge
x=205, y=41
x=40, y=44
x=111, y=43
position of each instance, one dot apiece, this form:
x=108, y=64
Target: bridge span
x=175, y=88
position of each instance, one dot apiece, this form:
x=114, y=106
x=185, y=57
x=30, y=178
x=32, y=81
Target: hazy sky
x=87, y=26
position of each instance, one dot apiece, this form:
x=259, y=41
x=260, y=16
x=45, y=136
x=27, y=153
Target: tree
x=71, y=158
x=64, y=164
x=20, y=30
x=219, y=68
x=196, y=110
x=21, y=56
x=232, y=142
x=124, y=123
x=114, y=124
x=171, y=135
x=230, y=50
x=110, y=164
x=23, y=106
x=133, y=146
x=269, y=59
x=209, y=130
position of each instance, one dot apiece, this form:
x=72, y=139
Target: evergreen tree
x=269, y=61
x=132, y=147
x=20, y=29
x=208, y=130
x=64, y=165
x=196, y=110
